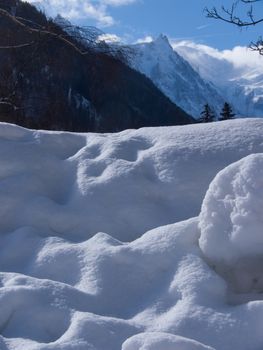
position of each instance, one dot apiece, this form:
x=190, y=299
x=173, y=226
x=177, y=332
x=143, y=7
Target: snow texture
x=231, y=223
x=99, y=238
x=157, y=341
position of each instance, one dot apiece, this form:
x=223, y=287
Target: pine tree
x=207, y=114
x=227, y=112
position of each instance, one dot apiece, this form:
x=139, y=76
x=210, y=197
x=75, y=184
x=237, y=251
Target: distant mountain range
x=174, y=76
x=57, y=76
x=192, y=75
x=239, y=78
x=53, y=79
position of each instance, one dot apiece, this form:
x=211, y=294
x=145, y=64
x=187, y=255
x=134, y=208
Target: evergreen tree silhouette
x=207, y=114
x=227, y=112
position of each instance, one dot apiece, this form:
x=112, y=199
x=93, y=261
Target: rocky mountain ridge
x=50, y=80
x=174, y=76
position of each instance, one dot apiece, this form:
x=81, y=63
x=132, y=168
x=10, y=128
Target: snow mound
x=161, y=341
x=231, y=222
x=75, y=185
x=93, y=246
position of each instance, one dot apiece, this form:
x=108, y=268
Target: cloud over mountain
x=97, y=10
x=238, y=73
x=241, y=58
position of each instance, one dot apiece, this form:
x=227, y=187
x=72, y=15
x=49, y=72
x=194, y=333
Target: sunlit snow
x=102, y=246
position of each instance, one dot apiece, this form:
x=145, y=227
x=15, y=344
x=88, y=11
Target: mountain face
x=174, y=76
x=49, y=80
x=241, y=84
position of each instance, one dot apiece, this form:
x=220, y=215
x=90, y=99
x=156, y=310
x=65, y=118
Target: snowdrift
x=231, y=223
x=102, y=248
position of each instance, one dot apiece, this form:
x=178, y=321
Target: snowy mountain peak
x=163, y=42
x=174, y=76
x=160, y=46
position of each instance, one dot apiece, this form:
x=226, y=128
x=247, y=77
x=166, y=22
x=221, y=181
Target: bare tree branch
x=39, y=32
x=20, y=46
x=229, y=15
x=82, y=39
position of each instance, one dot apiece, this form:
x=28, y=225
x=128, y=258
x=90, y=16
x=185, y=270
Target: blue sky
x=178, y=19
x=182, y=19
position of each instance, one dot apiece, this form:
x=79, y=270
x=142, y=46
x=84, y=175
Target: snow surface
x=94, y=254
x=161, y=341
x=231, y=223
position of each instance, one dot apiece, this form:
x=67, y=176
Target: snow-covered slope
x=238, y=74
x=174, y=76
x=78, y=271
x=190, y=74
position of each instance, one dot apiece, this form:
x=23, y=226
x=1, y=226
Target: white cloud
x=118, y=2
x=240, y=57
x=243, y=56
x=109, y=38
x=146, y=39
x=204, y=26
x=97, y=10
x=232, y=70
